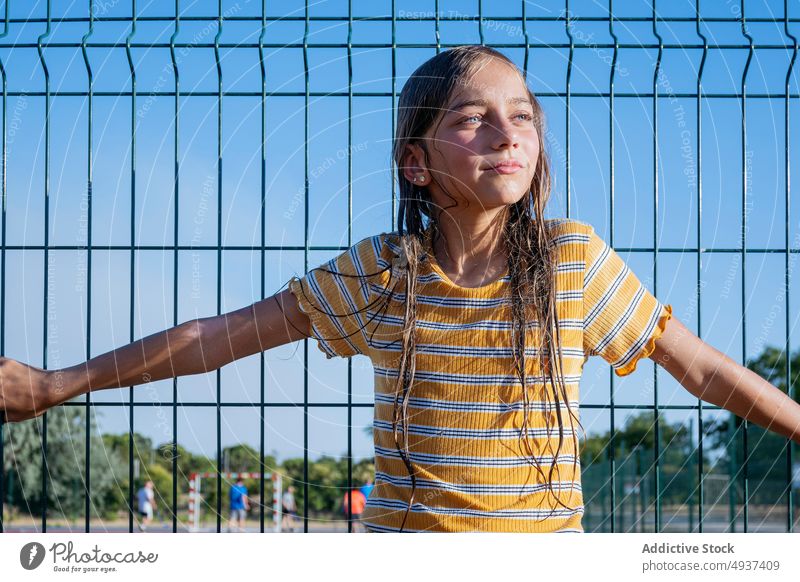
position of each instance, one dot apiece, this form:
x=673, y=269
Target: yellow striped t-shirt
x=466, y=404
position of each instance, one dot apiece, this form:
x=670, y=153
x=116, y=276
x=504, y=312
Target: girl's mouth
x=506, y=169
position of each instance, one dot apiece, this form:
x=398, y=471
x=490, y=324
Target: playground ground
x=761, y=519
x=121, y=526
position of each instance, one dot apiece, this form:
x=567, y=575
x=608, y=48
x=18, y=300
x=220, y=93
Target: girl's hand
x=25, y=391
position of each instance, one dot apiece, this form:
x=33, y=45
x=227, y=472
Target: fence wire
x=526, y=14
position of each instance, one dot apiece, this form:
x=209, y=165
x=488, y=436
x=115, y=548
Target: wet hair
x=528, y=241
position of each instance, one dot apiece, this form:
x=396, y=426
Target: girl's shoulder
x=390, y=244
x=570, y=240
x=566, y=226
x=570, y=237
x=374, y=251
x=372, y=256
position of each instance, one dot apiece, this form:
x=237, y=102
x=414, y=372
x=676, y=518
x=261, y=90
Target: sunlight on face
x=488, y=120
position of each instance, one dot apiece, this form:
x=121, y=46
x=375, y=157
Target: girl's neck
x=470, y=252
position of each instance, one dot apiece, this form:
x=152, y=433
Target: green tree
x=66, y=465
x=766, y=455
x=635, y=454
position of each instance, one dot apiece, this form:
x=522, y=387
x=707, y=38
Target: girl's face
x=488, y=120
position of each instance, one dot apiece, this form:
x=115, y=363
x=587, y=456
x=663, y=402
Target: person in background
x=289, y=506
x=240, y=504
x=147, y=504
x=359, y=501
x=367, y=489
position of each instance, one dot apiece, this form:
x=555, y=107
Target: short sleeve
x=621, y=319
x=336, y=297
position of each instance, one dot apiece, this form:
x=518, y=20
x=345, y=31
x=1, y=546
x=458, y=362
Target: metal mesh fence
x=626, y=484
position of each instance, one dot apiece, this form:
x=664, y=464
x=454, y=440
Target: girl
x=478, y=315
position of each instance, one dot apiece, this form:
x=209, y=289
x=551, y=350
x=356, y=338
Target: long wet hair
x=525, y=236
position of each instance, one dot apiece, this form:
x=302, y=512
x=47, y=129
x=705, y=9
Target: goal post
x=195, y=497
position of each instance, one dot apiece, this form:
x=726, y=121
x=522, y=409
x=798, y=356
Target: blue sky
x=370, y=186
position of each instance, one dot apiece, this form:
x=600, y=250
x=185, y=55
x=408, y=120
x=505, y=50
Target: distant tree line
x=109, y=472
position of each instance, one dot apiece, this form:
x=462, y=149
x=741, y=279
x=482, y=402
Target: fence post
x=603, y=494
x=640, y=493
x=731, y=476
x=692, y=452
x=621, y=487
x=277, y=504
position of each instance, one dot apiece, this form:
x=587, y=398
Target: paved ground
x=122, y=527
x=716, y=520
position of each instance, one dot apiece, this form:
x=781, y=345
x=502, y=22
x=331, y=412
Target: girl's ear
x=414, y=162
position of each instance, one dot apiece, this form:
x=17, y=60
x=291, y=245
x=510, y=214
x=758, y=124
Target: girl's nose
x=506, y=137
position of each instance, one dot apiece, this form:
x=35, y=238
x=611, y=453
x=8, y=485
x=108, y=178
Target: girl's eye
x=525, y=116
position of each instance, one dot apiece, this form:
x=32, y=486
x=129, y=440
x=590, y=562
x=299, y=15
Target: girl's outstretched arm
x=715, y=378
x=193, y=347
